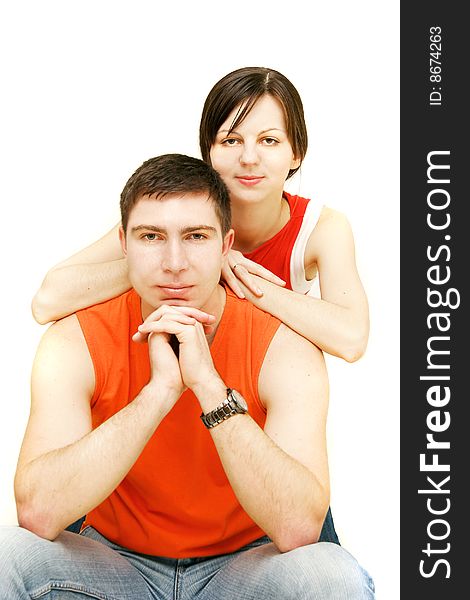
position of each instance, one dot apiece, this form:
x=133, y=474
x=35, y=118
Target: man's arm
x=65, y=469
x=280, y=475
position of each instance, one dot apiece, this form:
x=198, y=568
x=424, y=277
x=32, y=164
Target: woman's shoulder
x=331, y=220
x=332, y=227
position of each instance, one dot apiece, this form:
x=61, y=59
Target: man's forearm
x=281, y=495
x=57, y=488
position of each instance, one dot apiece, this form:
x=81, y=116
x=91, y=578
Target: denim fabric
x=88, y=566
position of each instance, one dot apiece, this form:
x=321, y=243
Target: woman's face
x=254, y=159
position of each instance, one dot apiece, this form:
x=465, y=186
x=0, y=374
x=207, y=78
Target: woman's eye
x=230, y=142
x=269, y=141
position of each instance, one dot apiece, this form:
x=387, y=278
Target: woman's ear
x=296, y=162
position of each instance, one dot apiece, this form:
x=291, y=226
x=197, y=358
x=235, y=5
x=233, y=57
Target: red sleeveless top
x=275, y=253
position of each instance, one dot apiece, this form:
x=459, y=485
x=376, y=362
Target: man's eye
x=197, y=236
x=150, y=237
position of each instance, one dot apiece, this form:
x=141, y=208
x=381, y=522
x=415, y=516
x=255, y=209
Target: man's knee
x=72, y=563
x=15, y=545
x=13, y=542
x=325, y=570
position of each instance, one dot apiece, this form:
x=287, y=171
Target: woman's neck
x=255, y=223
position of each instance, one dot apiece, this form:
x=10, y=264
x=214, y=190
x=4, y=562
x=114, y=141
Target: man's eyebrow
x=187, y=229
x=148, y=228
x=198, y=228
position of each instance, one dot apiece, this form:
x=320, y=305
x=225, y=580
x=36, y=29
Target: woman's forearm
x=72, y=287
x=338, y=330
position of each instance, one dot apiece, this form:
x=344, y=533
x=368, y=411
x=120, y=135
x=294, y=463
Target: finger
x=166, y=309
x=269, y=276
x=232, y=281
x=208, y=329
x=247, y=280
x=199, y=315
x=139, y=337
x=256, y=269
x=161, y=326
x=144, y=337
x=150, y=326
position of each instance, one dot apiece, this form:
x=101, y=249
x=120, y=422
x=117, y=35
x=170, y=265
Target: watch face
x=238, y=398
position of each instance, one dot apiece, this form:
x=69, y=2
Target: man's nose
x=175, y=258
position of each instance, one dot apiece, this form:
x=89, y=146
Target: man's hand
x=192, y=314
x=194, y=366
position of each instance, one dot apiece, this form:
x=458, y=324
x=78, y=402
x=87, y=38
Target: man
x=188, y=453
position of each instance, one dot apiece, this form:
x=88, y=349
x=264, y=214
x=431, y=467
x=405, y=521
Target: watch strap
x=224, y=411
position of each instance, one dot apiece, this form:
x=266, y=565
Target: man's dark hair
x=176, y=174
x=243, y=88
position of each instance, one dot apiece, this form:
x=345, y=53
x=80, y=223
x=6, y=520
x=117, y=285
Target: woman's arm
x=339, y=322
x=95, y=274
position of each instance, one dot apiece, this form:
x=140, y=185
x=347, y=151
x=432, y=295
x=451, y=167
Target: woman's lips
x=249, y=180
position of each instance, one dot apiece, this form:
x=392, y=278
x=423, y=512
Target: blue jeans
x=89, y=566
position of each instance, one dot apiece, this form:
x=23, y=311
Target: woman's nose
x=249, y=154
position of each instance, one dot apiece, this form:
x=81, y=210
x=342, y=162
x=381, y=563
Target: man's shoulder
x=111, y=313
x=242, y=311
x=124, y=302
x=63, y=344
x=248, y=331
x=67, y=328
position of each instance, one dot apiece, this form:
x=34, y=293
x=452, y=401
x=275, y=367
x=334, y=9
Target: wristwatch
x=235, y=404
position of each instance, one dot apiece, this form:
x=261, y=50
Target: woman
x=253, y=133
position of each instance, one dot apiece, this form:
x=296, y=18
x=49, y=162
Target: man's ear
x=228, y=242
x=122, y=239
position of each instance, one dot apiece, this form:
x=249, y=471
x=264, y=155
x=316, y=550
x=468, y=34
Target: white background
x=91, y=89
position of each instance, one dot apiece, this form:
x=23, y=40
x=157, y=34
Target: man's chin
x=177, y=302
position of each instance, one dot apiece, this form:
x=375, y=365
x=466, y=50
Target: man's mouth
x=176, y=288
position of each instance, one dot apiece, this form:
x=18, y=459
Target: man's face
x=175, y=250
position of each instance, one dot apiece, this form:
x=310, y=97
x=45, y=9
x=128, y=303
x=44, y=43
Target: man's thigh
x=72, y=566
x=320, y=571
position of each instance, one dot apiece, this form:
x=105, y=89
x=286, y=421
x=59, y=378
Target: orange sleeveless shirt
x=176, y=500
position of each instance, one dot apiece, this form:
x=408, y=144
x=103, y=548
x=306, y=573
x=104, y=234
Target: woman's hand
x=238, y=268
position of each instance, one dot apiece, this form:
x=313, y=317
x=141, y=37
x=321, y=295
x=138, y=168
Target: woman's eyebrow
x=259, y=133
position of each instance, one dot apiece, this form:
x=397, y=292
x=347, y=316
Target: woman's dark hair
x=243, y=88
x=176, y=174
